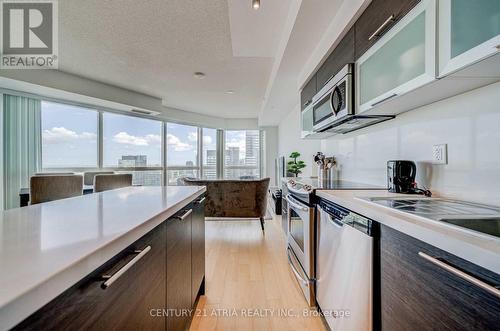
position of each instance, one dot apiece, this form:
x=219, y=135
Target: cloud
x=128, y=139
x=207, y=140
x=193, y=136
x=62, y=135
x=177, y=144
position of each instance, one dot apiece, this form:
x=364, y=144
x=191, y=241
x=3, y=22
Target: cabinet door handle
x=200, y=201
x=111, y=279
x=380, y=28
x=186, y=214
x=461, y=274
x=385, y=99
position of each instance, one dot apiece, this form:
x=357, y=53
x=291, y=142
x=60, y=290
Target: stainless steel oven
x=301, y=246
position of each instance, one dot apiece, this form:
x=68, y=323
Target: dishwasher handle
x=334, y=219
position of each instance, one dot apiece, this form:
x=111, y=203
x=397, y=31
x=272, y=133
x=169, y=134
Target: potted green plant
x=294, y=166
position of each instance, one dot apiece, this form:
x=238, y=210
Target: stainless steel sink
x=469, y=215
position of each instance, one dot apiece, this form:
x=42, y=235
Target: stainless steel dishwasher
x=344, y=267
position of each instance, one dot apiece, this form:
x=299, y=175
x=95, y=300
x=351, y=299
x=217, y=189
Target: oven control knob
x=307, y=187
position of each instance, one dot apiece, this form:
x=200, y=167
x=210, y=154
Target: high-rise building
x=252, y=148
x=232, y=156
x=133, y=161
x=210, y=166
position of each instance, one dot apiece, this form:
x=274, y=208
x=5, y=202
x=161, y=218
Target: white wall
x=289, y=141
x=468, y=123
x=270, y=152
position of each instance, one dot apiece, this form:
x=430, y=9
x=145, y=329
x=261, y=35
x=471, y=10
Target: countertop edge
x=35, y=298
x=429, y=232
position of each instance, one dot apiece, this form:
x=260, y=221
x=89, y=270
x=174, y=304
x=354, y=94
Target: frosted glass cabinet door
x=402, y=60
x=469, y=31
x=307, y=122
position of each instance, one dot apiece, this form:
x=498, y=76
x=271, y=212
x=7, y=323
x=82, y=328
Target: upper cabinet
x=376, y=20
x=341, y=55
x=307, y=93
x=469, y=31
x=401, y=61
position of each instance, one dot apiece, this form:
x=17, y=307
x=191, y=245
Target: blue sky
x=70, y=138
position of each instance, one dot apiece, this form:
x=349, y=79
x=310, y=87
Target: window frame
x=258, y=167
x=81, y=169
x=164, y=168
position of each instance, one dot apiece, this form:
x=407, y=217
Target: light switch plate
x=440, y=154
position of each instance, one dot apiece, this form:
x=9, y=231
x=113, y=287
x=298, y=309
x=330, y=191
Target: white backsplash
x=468, y=123
x=289, y=141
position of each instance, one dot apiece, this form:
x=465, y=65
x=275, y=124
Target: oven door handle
x=297, y=274
x=295, y=204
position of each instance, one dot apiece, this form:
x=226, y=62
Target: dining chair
x=88, y=177
x=54, y=187
x=111, y=182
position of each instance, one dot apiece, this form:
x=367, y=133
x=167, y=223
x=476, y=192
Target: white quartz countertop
x=47, y=248
x=481, y=249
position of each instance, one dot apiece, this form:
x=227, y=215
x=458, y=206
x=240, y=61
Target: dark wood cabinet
x=341, y=55
x=156, y=283
x=418, y=294
x=179, y=269
x=376, y=20
x=307, y=93
x=198, y=249
x=124, y=305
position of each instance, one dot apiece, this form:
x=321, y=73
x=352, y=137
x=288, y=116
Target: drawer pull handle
x=186, y=214
x=292, y=266
x=199, y=202
x=461, y=274
x=380, y=28
x=384, y=99
x=111, y=279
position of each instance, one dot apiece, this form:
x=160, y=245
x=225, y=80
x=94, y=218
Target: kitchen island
x=117, y=259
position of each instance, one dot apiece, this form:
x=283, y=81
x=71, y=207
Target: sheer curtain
x=21, y=144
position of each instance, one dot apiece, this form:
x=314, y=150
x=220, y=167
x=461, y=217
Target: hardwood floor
x=247, y=274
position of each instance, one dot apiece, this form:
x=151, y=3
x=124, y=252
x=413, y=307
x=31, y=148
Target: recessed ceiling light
x=199, y=75
x=230, y=92
x=256, y=4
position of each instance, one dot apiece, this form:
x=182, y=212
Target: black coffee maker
x=401, y=176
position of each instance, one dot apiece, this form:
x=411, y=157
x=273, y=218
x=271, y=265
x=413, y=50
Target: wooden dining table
x=24, y=194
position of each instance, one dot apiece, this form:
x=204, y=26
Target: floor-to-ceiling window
x=182, y=152
x=69, y=136
x=241, y=154
x=79, y=138
x=134, y=145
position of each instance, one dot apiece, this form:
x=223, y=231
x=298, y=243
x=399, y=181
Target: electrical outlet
x=440, y=154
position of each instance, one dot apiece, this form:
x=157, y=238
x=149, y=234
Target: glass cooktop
x=472, y=216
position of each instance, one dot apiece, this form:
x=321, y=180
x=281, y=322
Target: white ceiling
x=155, y=46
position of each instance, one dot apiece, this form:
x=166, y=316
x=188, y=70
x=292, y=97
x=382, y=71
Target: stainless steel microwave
x=335, y=100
